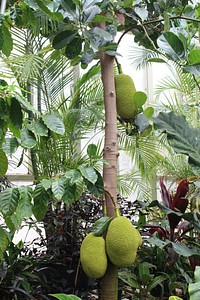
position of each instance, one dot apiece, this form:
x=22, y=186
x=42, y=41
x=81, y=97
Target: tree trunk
x=110, y=280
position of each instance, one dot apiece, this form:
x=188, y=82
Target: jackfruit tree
x=85, y=31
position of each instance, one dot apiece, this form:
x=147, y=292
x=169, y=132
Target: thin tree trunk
x=110, y=280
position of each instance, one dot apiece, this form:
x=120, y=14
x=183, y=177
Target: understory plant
x=170, y=251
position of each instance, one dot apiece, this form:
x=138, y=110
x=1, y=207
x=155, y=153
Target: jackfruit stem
x=119, y=66
x=117, y=212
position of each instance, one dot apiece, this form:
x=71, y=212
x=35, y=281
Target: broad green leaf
x=41, y=200
x=3, y=163
x=90, y=13
x=74, y=48
x=128, y=3
x=4, y=240
x=46, y=183
x=87, y=57
x=194, y=57
x=172, y=45
x=183, y=138
x=10, y=145
x=101, y=225
x=54, y=123
x=63, y=38
x=56, y=16
x=7, y=41
x=70, y=194
x=157, y=242
x=175, y=298
x=9, y=199
x=28, y=139
x=141, y=122
x=98, y=187
x=16, y=116
x=194, y=69
x=139, y=99
x=130, y=279
x=141, y=12
x=25, y=104
x=156, y=281
x=89, y=173
x=102, y=33
x=73, y=176
x=58, y=187
x=38, y=128
x=25, y=205
x=148, y=112
x=193, y=288
x=65, y=297
x=144, y=272
x=182, y=249
x=92, y=150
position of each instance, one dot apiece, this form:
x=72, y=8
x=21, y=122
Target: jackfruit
x=125, y=89
x=122, y=242
x=93, y=256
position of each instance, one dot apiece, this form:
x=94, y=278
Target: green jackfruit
x=122, y=242
x=93, y=256
x=125, y=89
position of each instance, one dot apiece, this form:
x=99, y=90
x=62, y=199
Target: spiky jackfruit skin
x=93, y=256
x=125, y=89
x=122, y=242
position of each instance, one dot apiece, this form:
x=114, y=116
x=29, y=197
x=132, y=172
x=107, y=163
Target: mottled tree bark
x=110, y=280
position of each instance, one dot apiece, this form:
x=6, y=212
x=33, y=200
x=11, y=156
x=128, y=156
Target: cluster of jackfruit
x=120, y=246
x=125, y=89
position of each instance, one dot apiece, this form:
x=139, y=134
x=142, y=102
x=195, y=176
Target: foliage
x=194, y=287
x=165, y=260
x=182, y=137
x=65, y=297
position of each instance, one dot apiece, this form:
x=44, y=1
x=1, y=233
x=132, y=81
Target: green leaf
x=73, y=176
x=3, y=163
x=24, y=208
x=194, y=69
x=193, y=288
x=183, y=138
x=70, y=194
x=128, y=3
x=87, y=57
x=7, y=41
x=141, y=12
x=56, y=16
x=175, y=298
x=130, y=279
x=4, y=240
x=46, y=183
x=172, y=45
x=148, y=112
x=98, y=187
x=101, y=225
x=194, y=57
x=58, y=188
x=63, y=38
x=89, y=173
x=54, y=123
x=41, y=200
x=65, y=297
x=103, y=34
x=74, y=48
x=139, y=99
x=156, y=281
x=141, y=122
x=16, y=116
x=92, y=150
x=10, y=145
x=9, y=199
x=28, y=139
x=157, y=242
x=182, y=249
x=38, y=128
